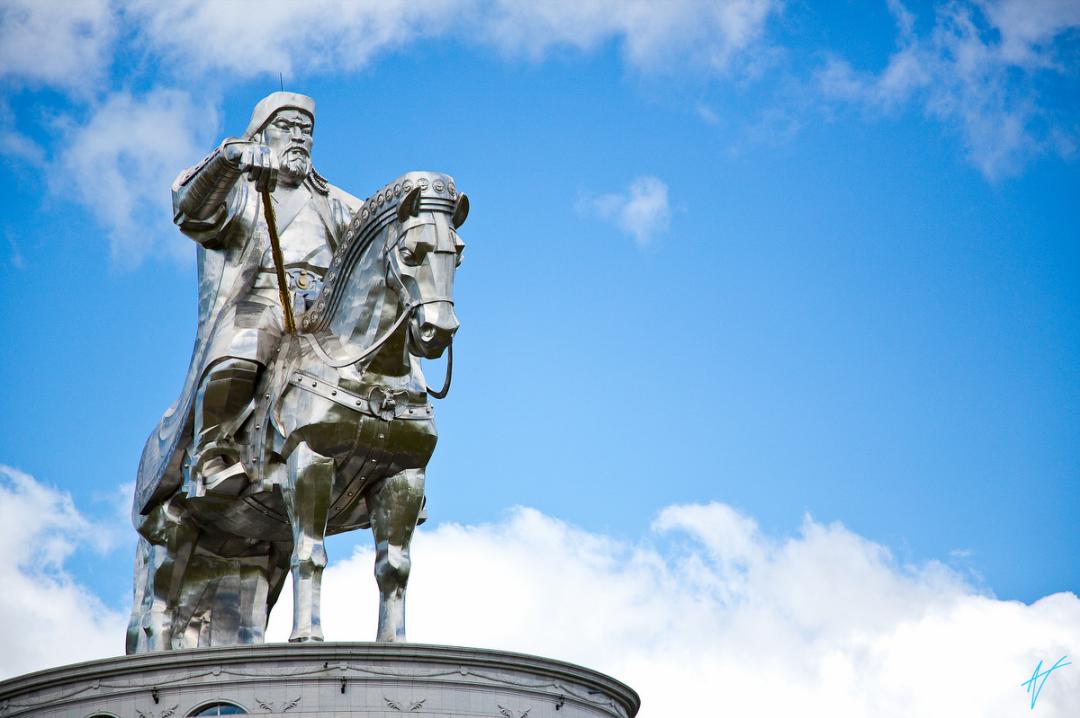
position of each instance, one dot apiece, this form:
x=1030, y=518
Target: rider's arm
x=207, y=196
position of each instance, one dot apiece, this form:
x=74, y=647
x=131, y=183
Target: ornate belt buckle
x=385, y=404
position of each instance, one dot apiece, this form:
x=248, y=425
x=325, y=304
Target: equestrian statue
x=305, y=411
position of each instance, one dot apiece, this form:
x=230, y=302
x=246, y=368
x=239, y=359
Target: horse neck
x=369, y=310
x=392, y=359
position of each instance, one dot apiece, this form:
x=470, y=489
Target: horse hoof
x=305, y=639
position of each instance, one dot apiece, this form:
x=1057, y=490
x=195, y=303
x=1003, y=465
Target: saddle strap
x=387, y=409
x=355, y=358
x=229, y=428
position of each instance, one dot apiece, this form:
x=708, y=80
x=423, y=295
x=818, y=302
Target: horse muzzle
x=433, y=328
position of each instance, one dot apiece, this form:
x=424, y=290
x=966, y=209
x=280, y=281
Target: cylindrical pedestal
x=320, y=680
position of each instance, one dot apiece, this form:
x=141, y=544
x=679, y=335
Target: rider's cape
x=229, y=254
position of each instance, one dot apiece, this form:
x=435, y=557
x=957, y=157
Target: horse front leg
x=307, y=494
x=393, y=508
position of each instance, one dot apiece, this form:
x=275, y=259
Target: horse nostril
x=427, y=332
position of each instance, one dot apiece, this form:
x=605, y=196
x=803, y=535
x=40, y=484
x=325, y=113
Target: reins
x=338, y=363
x=410, y=308
x=379, y=342
x=348, y=360
x=449, y=373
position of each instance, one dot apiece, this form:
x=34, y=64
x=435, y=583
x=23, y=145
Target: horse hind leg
x=142, y=604
x=394, y=507
x=307, y=494
x=160, y=567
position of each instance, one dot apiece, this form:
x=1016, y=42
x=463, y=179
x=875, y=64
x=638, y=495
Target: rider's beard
x=294, y=166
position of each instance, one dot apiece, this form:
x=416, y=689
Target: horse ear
x=461, y=211
x=410, y=205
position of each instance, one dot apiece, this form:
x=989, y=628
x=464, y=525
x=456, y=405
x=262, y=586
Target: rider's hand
x=257, y=160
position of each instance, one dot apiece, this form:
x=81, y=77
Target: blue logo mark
x=1034, y=685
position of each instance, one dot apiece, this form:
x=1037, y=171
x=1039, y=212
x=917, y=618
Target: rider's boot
x=223, y=400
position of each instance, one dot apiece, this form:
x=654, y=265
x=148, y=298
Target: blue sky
x=818, y=264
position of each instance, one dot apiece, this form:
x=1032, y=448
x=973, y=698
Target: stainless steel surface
x=319, y=680
x=279, y=439
x=279, y=261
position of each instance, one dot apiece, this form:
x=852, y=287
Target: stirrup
x=217, y=470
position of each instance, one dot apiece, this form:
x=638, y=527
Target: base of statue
x=320, y=680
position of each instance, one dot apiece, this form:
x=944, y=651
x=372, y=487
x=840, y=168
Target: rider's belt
x=304, y=281
x=380, y=403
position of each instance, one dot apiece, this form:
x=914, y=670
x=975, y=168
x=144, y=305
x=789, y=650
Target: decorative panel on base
x=320, y=680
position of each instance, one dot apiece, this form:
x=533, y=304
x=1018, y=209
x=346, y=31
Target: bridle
x=409, y=307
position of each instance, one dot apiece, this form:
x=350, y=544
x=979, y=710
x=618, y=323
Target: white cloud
x=15, y=257
x=59, y=44
x=707, y=114
x=288, y=37
x=68, y=46
x=642, y=211
x=281, y=35
x=974, y=71
x=13, y=143
x=1027, y=27
x=122, y=161
x=705, y=614
x=708, y=616
x=19, y=146
x=46, y=617
x=653, y=35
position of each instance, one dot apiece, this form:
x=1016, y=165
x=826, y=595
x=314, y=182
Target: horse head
x=421, y=258
x=402, y=243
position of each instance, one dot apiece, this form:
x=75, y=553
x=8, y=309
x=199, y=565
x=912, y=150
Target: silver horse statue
x=338, y=439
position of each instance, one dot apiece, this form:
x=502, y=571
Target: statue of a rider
x=229, y=501
x=217, y=203
x=192, y=453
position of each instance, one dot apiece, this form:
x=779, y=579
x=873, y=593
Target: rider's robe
x=239, y=310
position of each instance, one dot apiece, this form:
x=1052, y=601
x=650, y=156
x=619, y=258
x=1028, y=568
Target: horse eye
x=407, y=256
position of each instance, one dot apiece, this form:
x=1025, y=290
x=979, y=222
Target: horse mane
x=376, y=214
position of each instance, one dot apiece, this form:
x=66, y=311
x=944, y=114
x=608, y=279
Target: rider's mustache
x=295, y=162
x=295, y=149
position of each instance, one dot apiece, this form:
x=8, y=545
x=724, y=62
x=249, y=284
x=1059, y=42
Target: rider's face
x=289, y=133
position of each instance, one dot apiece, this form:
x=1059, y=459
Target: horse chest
x=390, y=446
x=382, y=449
